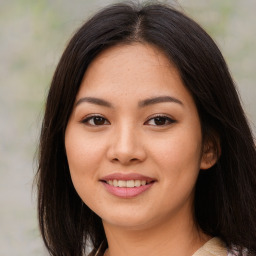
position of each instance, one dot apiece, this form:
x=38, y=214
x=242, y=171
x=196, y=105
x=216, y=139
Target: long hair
x=225, y=197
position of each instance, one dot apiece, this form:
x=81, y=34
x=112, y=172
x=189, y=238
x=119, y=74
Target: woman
x=145, y=148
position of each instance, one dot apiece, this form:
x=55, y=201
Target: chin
x=128, y=220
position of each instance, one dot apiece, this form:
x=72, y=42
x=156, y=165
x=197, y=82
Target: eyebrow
x=159, y=99
x=93, y=100
x=143, y=103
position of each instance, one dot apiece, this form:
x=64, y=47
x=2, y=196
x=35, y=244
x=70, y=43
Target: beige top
x=214, y=247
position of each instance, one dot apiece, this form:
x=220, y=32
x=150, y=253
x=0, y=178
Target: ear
x=211, y=153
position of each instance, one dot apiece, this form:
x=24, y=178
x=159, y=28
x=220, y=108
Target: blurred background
x=33, y=35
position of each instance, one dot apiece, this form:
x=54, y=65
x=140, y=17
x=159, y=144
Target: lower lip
x=127, y=192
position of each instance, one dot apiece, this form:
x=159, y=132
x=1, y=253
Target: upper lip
x=127, y=176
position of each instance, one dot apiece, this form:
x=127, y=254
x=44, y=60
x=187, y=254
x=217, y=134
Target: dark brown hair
x=225, y=198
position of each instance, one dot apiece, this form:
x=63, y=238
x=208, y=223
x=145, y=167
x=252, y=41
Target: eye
x=160, y=121
x=95, y=120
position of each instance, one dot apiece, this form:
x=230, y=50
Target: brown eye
x=160, y=121
x=99, y=120
x=96, y=121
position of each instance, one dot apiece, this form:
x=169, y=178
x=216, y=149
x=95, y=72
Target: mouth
x=127, y=185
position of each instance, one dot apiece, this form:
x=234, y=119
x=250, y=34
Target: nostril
x=131, y=160
x=115, y=160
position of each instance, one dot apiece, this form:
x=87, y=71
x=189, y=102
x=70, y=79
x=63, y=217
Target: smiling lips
x=127, y=185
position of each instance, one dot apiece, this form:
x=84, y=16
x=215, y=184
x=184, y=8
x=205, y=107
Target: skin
x=127, y=138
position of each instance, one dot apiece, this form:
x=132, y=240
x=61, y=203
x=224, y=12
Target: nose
x=126, y=146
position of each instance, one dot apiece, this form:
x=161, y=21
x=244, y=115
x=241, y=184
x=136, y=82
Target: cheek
x=180, y=149
x=84, y=158
x=178, y=161
x=81, y=150
x=178, y=157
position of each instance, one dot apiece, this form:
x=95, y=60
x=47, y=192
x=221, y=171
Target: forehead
x=145, y=52
x=135, y=70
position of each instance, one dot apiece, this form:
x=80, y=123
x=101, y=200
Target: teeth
x=130, y=183
x=127, y=183
x=121, y=183
x=137, y=183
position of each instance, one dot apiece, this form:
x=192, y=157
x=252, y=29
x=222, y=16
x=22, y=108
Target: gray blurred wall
x=32, y=36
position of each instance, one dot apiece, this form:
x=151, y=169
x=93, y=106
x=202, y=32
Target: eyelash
x=164, y=117
x=159, y=117
x=93, y=117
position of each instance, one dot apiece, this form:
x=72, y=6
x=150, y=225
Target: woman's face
x=133, y=140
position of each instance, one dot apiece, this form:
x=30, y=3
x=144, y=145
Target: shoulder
x=214, y=247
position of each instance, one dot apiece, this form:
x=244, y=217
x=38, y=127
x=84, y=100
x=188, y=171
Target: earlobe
x=210, y=155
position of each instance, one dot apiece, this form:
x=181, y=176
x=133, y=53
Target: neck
x=176, y=237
